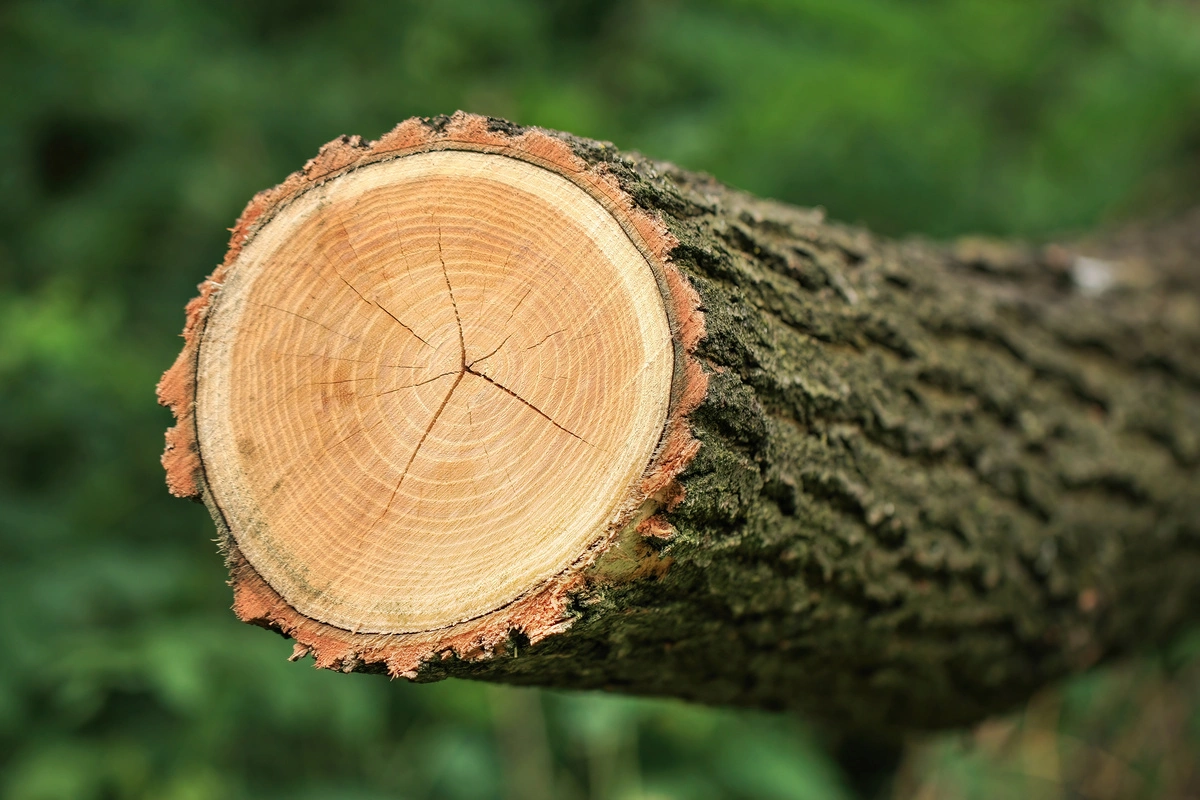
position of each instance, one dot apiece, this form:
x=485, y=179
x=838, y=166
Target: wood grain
x=427, y=385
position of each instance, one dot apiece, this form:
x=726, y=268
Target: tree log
x=496, y=402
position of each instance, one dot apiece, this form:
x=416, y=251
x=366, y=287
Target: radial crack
x=486, y=455
x=530, y=405
x=419, y=383
x=350, y=436
x=518, y=305
x=398, y=322
x=543, y=340
x=417, y=449
x=489, y=355
x=363, y=297
x=462, y=345
x=342, y=380
x=342, y=358
x=306, y=319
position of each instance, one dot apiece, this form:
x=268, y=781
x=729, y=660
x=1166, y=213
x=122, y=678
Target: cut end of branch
x=435, y=378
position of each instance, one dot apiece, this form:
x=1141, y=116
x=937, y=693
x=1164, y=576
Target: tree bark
x=930, y=478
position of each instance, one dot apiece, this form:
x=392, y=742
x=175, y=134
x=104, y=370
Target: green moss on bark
x=932, y=478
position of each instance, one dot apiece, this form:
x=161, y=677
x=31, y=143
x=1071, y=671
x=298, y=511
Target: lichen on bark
x=932, y=478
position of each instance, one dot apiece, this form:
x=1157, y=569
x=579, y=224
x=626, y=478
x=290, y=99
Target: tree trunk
x=718, y=449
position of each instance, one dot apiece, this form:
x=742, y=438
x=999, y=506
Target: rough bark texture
x=932, y=478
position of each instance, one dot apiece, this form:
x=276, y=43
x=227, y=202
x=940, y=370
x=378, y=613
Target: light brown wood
x=427, y=385
x=932, y=478
x=437, y=390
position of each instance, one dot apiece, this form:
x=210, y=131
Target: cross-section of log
x=431, y=385
x=430, y=389
x=498, y=402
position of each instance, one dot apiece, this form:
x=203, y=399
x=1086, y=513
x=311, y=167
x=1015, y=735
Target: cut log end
x=431, y=383
x=440, y=396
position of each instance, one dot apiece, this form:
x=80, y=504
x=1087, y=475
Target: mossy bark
x=932, y=478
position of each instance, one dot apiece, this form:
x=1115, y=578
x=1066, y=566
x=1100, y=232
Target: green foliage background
x=131, y=134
